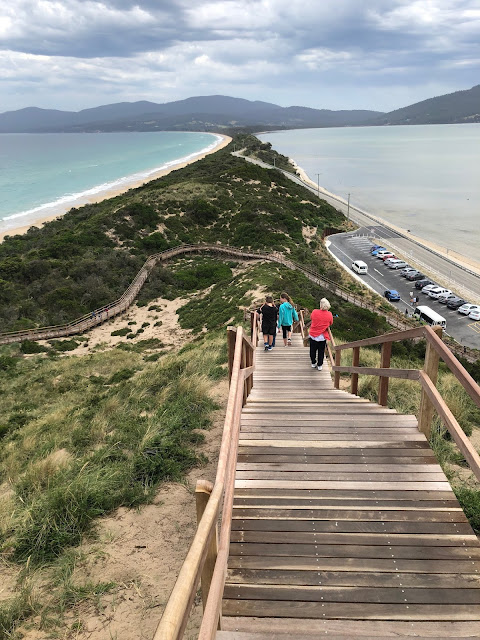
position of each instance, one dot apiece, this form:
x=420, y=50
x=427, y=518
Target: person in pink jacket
x=321, y=320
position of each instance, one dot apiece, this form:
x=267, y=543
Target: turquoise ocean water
x=422, y=178
x=47, y=174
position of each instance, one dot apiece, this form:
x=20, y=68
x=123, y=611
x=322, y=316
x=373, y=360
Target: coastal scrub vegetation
x=88, y=257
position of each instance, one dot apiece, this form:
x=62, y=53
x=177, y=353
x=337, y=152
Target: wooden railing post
x=203, y=491
x=338, y=358
x=244, y=365
x=386, y=354
x=231, y=337
x=355, y=363
x=430, y=368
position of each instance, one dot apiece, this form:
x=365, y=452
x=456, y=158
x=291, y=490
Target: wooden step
x=248, y=628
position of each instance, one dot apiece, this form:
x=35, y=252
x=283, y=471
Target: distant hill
x=203, y=113
x=458, y=107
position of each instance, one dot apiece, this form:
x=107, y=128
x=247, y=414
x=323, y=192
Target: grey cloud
x=175, y=48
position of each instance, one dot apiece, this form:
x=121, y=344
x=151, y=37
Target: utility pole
x=348, y=208
x=318, y=185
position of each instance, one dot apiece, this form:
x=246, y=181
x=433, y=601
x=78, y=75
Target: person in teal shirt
x=287, y=315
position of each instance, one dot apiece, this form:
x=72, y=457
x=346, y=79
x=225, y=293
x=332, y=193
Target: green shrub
x=29, y=346
x=121, y=332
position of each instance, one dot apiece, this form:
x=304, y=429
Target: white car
x=438, y=291
x=467, y=308
x=428, y=288
x=382, y=254
x=475, y=314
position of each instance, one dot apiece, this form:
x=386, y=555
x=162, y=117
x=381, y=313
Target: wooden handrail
x=431, y=398
x=176, y=613
x=175, y=616
x=394, y=336
x=463, y=443
x=405, y=374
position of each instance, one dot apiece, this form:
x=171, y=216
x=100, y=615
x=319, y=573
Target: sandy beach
x=461, y=260
x=105, y=195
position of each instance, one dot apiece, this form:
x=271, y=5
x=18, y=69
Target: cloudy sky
x=334, y=54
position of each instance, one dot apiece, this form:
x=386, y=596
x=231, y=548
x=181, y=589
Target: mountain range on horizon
x=216, y=113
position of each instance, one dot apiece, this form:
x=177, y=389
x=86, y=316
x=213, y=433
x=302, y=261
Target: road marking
x=378, y=271
x=474, y=326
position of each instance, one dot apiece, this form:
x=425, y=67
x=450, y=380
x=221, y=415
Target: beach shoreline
x=62, y=209
x=461, y=260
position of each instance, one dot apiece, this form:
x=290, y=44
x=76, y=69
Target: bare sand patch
x=169, y=331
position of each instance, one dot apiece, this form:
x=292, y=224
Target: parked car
x=375, y=247
x=437, y=291
x=419, y=284
x=474, y=315
x=388, y=261
x=397, y=264
x=388, y=256
x=415, y=275
x=359, y=266
x=374, y=252
x=466, y=308
x=443, y=299
x=384, y=254
x=392, y=295
x=429, y=287
x=455, y=302
x=406, y=271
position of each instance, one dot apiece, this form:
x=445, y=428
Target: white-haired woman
x=321, y=319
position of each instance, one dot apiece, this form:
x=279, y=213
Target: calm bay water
x=422, y=178
x=45, y=174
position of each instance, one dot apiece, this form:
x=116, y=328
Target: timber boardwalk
x=343, y=522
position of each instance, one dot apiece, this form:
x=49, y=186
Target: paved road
x=347, y=247
x=437, y=267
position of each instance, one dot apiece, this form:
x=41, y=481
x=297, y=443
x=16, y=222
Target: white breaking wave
x=72, y=198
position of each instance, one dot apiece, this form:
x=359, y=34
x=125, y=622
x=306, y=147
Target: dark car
x=423, y=283
x=455, y=303
x=415, y=276
x=392, y=295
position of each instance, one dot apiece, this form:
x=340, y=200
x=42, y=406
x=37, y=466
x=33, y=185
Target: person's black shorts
x=269, y=328
x=285, y=329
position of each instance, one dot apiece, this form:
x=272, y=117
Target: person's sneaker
x=265, y=347
x=289, y=342
x=320, y=367
x=269, y=348
x=313, y=365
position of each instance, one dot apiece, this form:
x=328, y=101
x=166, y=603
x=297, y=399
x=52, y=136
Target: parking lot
x=348, y=247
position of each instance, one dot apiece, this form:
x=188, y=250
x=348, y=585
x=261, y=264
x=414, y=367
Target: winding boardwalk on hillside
x=343, y=522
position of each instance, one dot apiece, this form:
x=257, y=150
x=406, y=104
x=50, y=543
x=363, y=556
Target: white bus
x=429, y=316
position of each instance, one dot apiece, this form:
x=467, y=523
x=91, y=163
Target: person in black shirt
x=269, y=322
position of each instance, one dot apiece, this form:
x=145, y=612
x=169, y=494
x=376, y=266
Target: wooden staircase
x=343, y=522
